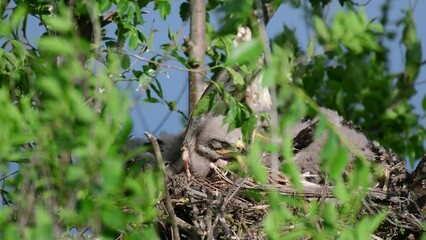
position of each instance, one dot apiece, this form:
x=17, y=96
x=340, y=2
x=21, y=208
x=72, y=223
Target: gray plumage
x=140, y=154
x=172, y=144
x=143, y=156
x=308, y=148
x=212, y=142
x=208, y=143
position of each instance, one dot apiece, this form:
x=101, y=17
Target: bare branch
x=167, y=200
x=159, y=64
x=262, y=18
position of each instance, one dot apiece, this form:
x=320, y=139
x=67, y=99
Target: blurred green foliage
x=64, y=121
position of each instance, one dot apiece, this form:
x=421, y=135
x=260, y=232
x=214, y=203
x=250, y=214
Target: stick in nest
x=167, y=200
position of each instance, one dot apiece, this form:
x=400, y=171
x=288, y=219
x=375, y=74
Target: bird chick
x=212, y=143
x=307, y=148
x=143, y=157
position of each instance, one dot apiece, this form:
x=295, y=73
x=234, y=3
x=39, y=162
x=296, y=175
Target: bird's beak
x=240, y=146
x=223, y=151
x=261, y=136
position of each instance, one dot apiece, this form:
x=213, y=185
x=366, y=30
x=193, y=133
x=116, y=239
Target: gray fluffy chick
x=212, y=142
x=170, y=145
x=307, y=149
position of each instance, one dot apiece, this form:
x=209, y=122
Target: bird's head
x=214, y=142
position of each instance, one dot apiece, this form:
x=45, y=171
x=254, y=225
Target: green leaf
x=269, y=76
x=157, y=88
x=247, y=127
x=339, y=163
x=104, y=5
x=233, y=110
x=390, y=114
x=81, y=110
x=59, y=23
x=150, y=40
x=330, y=151
x=378, y=28
x=11, y=231
x=321, y=28
x=19, y=50
x=424, y=103
x=43, y=229
x=205, y=104
x=290, y=168
x=322, y=126
x=341, y=191
x=50, y=86
x=413, y=53
x=330, y=214
x=137, y=73
x=149, y=98
x=112, y=216
x=169, y=34
x=182, y=60
x=141, y=36
x=254, y=163
x=311, y=49
x=74, y=174
x=164, y=7
x=17, y=15
x=367, y=225
x=111, y=171
x=125, y=61
x=246, y=52
x=144, y=80
x=5, y=29
x=122, y=6
x=133, y=40
x=236, y=76
x=131, y=14
x=171, y=105
x=184, y=11
x=340, y=100
x=56, y=45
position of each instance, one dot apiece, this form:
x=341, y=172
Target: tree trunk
x=197, y=51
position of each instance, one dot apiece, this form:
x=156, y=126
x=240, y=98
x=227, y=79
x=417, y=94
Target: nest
x=219, y=206
x=225, y=206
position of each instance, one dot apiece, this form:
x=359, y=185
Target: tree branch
x=167, y=200
x=197, y=51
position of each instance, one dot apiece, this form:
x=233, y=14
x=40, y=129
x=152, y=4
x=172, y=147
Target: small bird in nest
x=212, y=143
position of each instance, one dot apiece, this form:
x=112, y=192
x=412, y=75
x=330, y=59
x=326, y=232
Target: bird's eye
x=217, y=144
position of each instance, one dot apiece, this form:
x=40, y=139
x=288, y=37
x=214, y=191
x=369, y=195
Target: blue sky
x=152, y=117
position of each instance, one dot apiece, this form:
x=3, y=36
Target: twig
x=188, y=227
x=159, y=63
x=157, y=150
x=237, y=186
x=8, y=175
x=186, y=160
x=208, y=217
x=167, y=200
x=375, y=237
x=268, y=62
